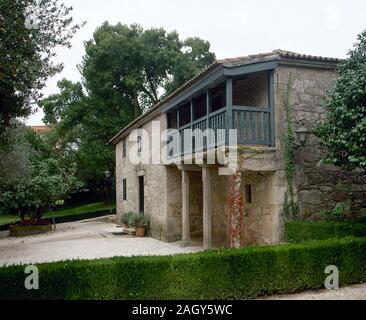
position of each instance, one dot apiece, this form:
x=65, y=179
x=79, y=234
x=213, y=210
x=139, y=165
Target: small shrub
x=138, y=220
x=337, y=214
x=125, y=218
x=298, y=231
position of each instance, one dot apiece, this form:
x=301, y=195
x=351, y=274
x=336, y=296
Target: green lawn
x=82, y=210
x=8, y=218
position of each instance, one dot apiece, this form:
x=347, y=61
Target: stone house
x=185, y=197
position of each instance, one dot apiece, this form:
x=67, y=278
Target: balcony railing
x=253, y=126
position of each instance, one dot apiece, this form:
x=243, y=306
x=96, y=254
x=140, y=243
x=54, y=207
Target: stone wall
x=318, y=186
x=252, y=90
x=155, y=188
x=174, y=203
x=196, y=203
x=219, y=209
x=262, y=217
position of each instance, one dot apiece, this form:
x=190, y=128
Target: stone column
x=207, y=210
x=185, y=208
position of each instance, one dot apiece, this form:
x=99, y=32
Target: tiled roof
x=231, y=62
x=275, y=54
x=41, y=128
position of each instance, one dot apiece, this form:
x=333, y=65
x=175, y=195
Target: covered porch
x=203, y=199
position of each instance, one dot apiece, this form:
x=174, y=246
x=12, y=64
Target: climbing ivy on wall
x=235, y=201
x=290, y=206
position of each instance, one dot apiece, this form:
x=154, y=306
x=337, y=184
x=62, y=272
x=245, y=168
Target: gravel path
x=356, y=292
x=88, y=239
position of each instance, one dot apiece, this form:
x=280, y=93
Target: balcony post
x=208, y=110
x=229, y=107
x=271, y=96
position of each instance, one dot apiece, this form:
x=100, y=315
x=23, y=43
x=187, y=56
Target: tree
x=343, y=133
x=125, y=71
x=15, y=153
x=128, y=65
x=45, y=175
x=81, y=132
x=29, y=31
x=196, y=56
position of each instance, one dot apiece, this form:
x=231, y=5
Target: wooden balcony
x=188, y=122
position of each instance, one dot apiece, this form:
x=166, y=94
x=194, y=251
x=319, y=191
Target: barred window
x=124, y=189
x=139, y=142
x=248, y=193
x=124, y=149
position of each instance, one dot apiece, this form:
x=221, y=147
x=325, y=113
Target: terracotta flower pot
x=140, y=231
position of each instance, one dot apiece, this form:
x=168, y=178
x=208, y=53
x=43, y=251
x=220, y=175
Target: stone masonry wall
x=174, y=203
x=318, y=186
x=262, y=218
x=252, y=90
x=155, y=180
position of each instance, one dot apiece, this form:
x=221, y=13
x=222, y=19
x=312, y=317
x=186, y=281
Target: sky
x=233, y=27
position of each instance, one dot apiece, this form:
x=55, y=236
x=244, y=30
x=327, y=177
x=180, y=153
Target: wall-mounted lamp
x=302, y=134
x=107, y=174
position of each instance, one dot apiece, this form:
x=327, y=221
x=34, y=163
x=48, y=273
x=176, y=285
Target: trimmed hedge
x=83, y=216
x=298, y=231
x=223, y=274
x=72, y=217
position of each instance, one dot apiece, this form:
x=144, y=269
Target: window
x=141, y=194
x=248, y=193
x=124, y=189
x=185, y=114
x=139, y=141
x=124, y=149
x=172, y=119
x=200, y=106
x=218, y=97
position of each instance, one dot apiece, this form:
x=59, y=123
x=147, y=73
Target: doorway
x=141, y=194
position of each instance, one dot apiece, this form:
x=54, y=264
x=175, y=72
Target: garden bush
x=220, y=274
x=298, y=231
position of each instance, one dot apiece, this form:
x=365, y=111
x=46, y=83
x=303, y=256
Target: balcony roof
x=227, y=67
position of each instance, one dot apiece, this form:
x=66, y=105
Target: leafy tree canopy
x=125, y=71
x=29, y=31
x=343, y=132
x=127, y=64
x=33, y=175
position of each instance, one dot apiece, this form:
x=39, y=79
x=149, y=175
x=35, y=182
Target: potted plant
x=140, y=222
x=125, y=219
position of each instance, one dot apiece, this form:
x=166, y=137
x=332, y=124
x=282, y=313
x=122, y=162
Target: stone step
x=129, y=231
